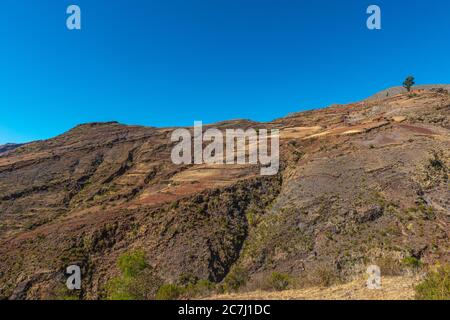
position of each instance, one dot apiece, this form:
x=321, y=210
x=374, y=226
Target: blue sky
x=170, y=62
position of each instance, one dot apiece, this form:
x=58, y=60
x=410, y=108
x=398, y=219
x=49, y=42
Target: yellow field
x=393, y=288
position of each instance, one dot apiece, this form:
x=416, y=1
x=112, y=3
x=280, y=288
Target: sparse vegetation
x=131, y=264
x=201, y=288
x=412, y=263
x=279, y=281
x=192, y=287
x=322, y=276
x=436, y=163
x=389, y=266
x=137, y=281
x=169, y=292
x=436, y=285
x=62, y=293
x=235, y=279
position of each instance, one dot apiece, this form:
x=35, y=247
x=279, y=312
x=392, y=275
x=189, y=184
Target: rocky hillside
x=359, y=184
x=8, y=147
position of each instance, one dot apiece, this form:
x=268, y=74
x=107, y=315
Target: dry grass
x=393, y=288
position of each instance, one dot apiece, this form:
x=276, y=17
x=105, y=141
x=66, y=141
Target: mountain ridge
x=360, y=183
x=400, y=90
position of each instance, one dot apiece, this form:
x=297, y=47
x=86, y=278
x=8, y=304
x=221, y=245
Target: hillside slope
x=358, y=184
x=8, y=147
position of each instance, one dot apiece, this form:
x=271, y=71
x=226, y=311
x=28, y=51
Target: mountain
x=359, y=184
x=8, y=147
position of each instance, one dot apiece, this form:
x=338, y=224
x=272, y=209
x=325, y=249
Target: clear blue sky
x=170, y=62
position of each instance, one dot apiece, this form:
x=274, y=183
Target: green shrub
x=137, y=281
x=142, y=287
x=62, y=293
x=169, y=292
x=436, y=163
x=201, y=288
x=412, y=263
x=235, y=279
x=130, y=264
x=146, y=284
x=118, y=288
x=279, y=281
x=436, y=285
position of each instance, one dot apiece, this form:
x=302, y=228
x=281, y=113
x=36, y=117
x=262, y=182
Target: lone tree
x=408, y=83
